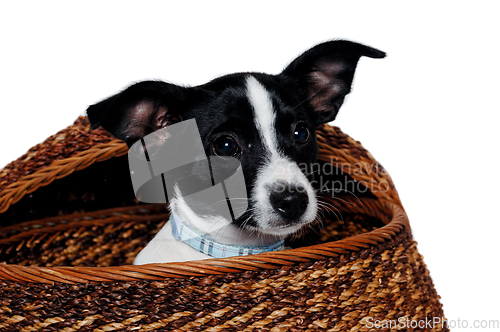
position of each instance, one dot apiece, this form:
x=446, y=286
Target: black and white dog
x=266, y=121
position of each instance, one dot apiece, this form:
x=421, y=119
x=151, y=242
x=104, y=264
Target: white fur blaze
x=264, y=114
x=276, y=167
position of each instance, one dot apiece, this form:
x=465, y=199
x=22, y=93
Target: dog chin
x=280, y=232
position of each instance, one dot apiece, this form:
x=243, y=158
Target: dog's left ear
x=325, y=73
x=139, y=110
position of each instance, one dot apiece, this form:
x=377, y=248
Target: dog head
x=266, y=121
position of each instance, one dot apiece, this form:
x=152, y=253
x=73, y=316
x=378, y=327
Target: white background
x=428, y=112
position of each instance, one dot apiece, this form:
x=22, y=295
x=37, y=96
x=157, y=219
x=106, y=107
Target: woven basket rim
x=58, y=169
x=271, y=260
x=387, y=204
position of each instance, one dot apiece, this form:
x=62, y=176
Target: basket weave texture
x=70, y=228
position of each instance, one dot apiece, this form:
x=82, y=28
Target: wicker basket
x=70, y=229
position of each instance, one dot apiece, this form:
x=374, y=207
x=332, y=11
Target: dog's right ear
x=325, y=73
x=138, y=110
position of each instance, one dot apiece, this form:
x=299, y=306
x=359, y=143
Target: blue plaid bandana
x=186, y=234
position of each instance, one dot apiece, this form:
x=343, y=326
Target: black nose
x=290, y=202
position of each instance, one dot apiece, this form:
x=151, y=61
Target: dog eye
x=225, y=146
x=301, y=134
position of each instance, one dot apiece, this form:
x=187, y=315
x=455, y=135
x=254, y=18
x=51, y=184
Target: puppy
x=266, y=123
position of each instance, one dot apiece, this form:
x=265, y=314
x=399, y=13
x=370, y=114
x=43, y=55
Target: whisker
x=331, y=208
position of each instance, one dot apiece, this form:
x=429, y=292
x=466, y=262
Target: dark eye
x=301, y=134
x=225, y=146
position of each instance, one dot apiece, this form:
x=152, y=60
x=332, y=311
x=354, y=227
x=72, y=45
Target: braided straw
x=356, y=162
